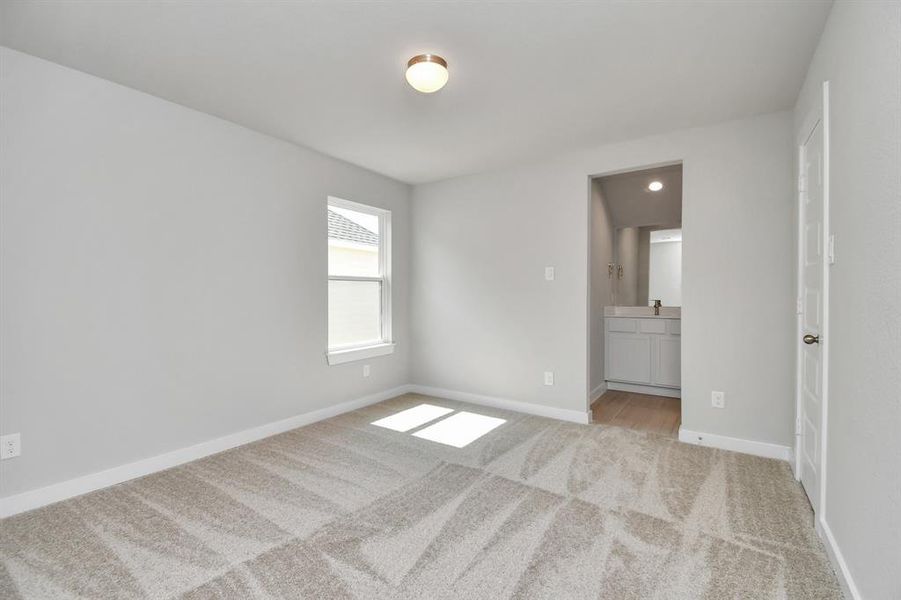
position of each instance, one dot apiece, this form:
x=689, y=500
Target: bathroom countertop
x=643, y=312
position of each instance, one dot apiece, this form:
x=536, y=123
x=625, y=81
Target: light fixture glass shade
x=655, y=186
x=427, y=73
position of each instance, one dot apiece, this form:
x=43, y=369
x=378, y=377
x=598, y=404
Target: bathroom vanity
x=642, y=350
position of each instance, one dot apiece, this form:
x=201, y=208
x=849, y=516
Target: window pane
x=353, y=243
x=353, y=312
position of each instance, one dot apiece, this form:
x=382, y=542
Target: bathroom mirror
x=647, y=265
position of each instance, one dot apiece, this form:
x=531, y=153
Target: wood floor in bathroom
x=657, y=414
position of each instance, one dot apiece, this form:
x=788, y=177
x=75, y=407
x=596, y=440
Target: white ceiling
x=526, y=80
x=632, y=204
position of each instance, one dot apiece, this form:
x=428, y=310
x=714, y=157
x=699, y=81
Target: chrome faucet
x=657, y=305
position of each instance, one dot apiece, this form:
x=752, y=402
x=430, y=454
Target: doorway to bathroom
x=635, y=299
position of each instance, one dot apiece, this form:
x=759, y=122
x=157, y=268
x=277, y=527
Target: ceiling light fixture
x=655, y=186
x=427, y=73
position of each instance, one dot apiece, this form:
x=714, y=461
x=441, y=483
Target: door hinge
x=830, y=249
x=798, y=426
x=799, y=306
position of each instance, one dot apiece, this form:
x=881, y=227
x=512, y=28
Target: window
x=359, y=282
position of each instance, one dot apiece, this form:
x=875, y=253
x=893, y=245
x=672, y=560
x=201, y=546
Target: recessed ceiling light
x=427, y=73
x=655, y=186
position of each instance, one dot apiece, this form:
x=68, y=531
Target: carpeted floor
x=536, y=508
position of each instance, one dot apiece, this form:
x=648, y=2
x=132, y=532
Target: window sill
x=337, y=357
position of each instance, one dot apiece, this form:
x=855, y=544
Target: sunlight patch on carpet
x=411, y=418
x=460, y=429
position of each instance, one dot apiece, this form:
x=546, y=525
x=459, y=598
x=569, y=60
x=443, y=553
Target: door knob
x=811, y=339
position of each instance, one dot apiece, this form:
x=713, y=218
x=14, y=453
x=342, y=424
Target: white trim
x=339, y=357
x=88, y=483
x=799, y=310
x=597, y=393
x=354, y=278
x=363, y=208
x=723, y=442
x=842, y=572
x=658, y=165
x=827, y=237
x=563, y=414
x=589, y=355
x=636, y=388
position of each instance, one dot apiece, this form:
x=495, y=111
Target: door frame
x=817, y=114
x=589, y=179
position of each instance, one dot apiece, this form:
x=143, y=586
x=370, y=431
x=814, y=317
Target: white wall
x=486, y=321
x=644, y=263
x=163, y=275
x=860, y=55
x=665, y=272
x=601, y=237
x=627, y=258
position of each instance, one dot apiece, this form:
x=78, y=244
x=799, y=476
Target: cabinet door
x=628, y=358
x=669, y=362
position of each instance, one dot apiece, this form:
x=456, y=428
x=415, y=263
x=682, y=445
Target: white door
x=812, y=309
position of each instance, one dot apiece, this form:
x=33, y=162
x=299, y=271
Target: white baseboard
x=838, y=561
x=563, y=414
x=653, y=390
x=597, y=392
x=723, y=442
x=88, y=483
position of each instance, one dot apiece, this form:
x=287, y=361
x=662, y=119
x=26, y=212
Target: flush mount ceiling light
x=427, y=73
x=655, y=186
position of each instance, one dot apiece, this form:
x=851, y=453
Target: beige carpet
x=536, y=508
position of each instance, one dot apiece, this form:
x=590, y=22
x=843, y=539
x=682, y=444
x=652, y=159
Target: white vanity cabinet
x=643, y=353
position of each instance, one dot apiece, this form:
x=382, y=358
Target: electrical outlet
x=548, y=378
x=549, y=273
x=365, y=370
x=718, y=399
x=10, y=446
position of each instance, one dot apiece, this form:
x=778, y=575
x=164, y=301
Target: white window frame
x=343, y=354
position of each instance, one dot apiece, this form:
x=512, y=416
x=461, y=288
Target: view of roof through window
x=353, y=226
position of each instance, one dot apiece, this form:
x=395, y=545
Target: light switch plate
x=548, y=378
x=365, y=370
x=549, y=273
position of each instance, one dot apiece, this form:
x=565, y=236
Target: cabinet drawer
x=674, y=327
x=652, y=326
x=622, y=325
